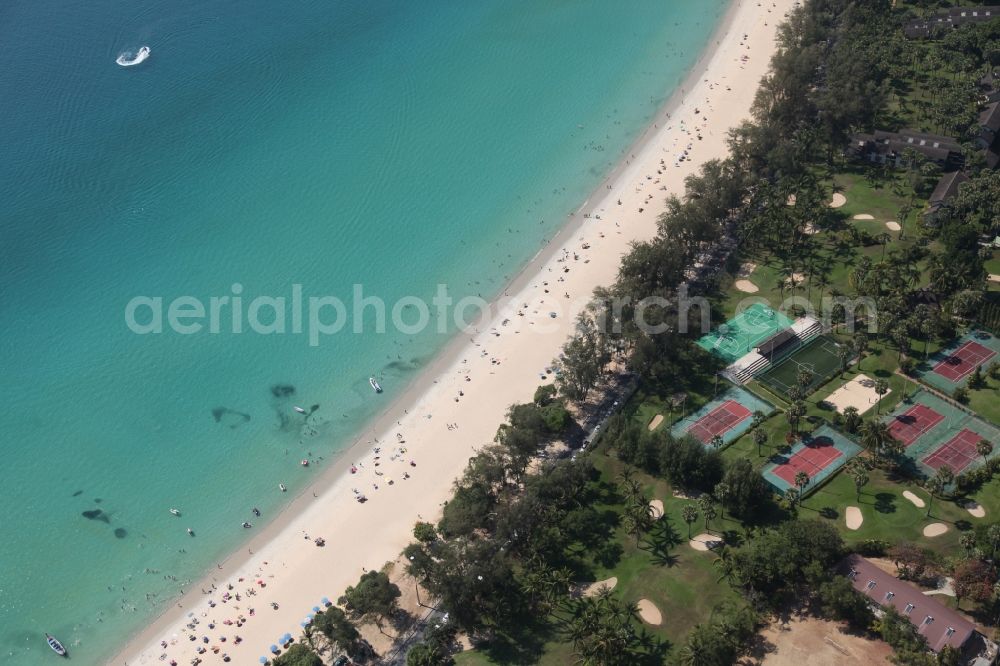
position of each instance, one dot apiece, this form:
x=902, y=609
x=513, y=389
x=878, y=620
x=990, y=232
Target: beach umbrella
x=274, y=649
x=263, y=660
x=303, y=624
x=325, y=601
x=315, y=609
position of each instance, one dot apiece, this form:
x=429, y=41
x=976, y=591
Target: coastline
x=299, y=574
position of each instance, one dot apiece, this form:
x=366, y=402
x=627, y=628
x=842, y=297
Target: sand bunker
x=655, y=423
x=935, y=529
x=703, y=541
x=791, y=200
x=913, y=498
x=657, y=507
x=975, y=509
x=838, y=200
x=590, y=589
x=994, y=278
x=893, y=226
x=858, y=393
x=649, y=613
x=864, y=216
x=747, y=287
x=854, y=517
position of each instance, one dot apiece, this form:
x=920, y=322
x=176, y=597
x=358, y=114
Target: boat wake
x=128, y=59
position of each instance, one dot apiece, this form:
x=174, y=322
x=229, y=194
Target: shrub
x=961, y=394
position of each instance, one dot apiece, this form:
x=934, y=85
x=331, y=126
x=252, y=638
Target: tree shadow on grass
x=660, y=540
x=885, y=502
x=521, y=642
x=829, y=513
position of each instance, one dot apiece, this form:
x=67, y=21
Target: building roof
x=933, y=146
x=949, y=18
x=990, y=117
x=947, y=187
x=934, y=621
x=777, y=340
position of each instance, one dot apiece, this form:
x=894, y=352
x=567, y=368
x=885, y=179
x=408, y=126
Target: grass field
x=819, y=357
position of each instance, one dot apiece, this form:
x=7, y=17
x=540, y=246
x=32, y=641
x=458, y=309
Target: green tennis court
x=820, y=358
x=738, y=336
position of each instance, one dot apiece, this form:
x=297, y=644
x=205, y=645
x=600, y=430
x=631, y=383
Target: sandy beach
x=429, y=432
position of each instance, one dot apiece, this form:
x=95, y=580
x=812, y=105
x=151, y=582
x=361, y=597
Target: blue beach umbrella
x=325, y=601
x=274, y=649
x=263, y=660
x=303, y=624
x=315, y=609
x=287, y=638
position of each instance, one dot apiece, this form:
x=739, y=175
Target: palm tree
x=984, y=448
x=724, y=563
x=845, y=353
x=716, y=442
x=875, y=436
x=993, y=536
x=723, y=491
x=689, y=514
x=968, y=542
x=801, y=481
x=881, y=387
x=758, y=418
x=759, y=438
x=860, y=476
x=860, y=342
x=707, y=509
x=792, y=496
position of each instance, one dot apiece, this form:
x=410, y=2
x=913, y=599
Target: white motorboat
x=375, y=385
x=56, y=646
x=175, y=512
x=129, y=59
x=282, y=486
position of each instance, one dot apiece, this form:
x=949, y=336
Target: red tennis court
x=812, y=459
x=908, y=427
x=957, y=453
x=719, y=420
x=963, y=361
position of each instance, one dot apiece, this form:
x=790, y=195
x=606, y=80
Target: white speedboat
x=56, y=646
x=375, y=385
x=129, y=59
x=282, y=487
x=300, y=410
x=175, y=512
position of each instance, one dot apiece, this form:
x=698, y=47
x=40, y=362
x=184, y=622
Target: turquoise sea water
x=325, y=143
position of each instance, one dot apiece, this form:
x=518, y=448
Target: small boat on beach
x=375, y=385
x=56, y=646
x=129, y=59
x=175, y=512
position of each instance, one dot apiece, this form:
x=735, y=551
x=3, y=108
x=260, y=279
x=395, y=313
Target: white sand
x=853, y=517
x=893, y=226
x=702, y=541
x=935, y=529
x=657, y=507
x=994, y=277
x=864, y=216
x=649, y=613
x=746, y=286
x=655, y=423
x=858, y=393
x=914, y=498
x=838, y=200
x=975, y=509
x=791, y=200
x=298, y=573
x=591, y=589
x=810, y=229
